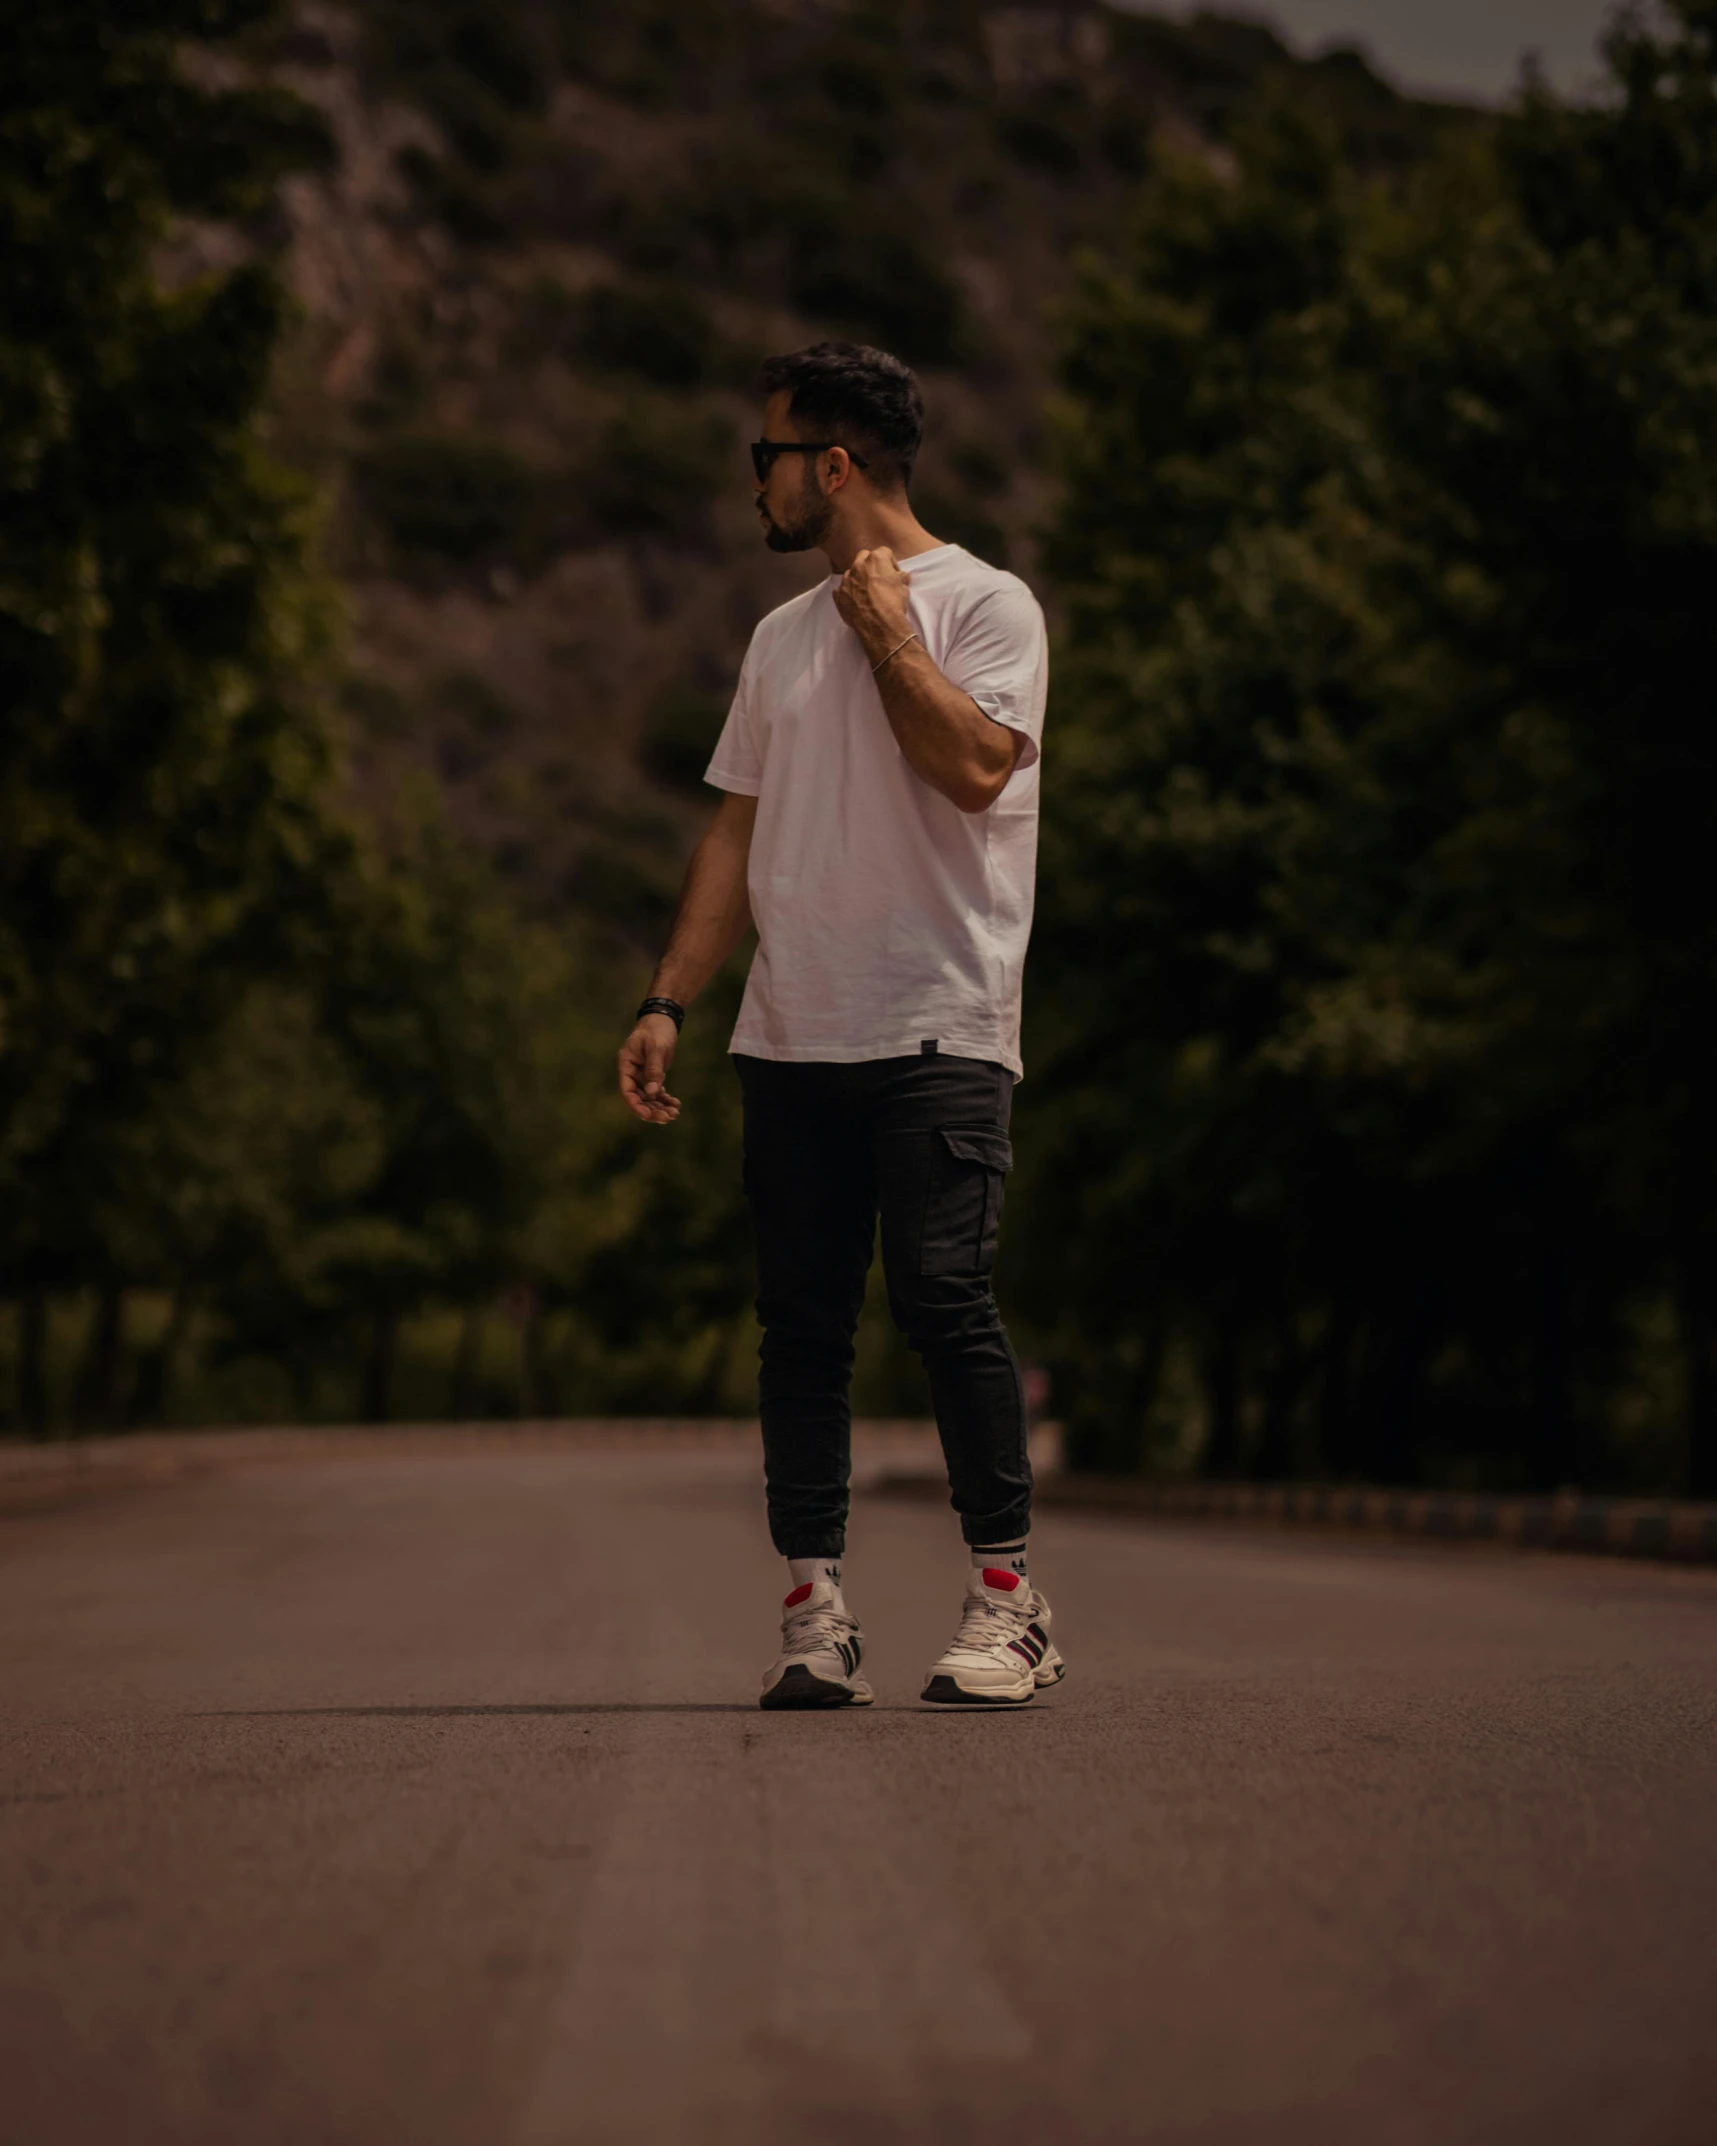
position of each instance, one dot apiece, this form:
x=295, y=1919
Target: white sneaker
x=1002, y=1651
x=821, y=1648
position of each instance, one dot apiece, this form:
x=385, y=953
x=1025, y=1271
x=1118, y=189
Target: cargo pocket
x=963, y=1201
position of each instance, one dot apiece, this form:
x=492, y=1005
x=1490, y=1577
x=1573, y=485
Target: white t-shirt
x=886, y=917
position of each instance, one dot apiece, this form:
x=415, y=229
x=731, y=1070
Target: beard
x=809, y=524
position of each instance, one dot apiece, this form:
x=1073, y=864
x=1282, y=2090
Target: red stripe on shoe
x=1006, y=1581
x=798, y=1595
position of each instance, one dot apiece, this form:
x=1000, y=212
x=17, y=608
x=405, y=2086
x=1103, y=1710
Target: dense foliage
x=272, y=1078
x=161, y=768
x=1374, y=982
x=1373, y=987
x=302, y=1098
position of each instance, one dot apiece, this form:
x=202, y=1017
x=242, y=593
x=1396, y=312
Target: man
x=880, y=828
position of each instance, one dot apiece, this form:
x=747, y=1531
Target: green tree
x=653, y=1247
x=1374, y=983
x=162, y=770
x=464, y=1028
x=236, y=1195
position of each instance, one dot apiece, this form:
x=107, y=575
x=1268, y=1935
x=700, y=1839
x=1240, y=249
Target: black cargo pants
x=923, y=1141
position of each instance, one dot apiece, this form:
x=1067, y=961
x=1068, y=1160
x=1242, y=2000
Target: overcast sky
x=1468, y=47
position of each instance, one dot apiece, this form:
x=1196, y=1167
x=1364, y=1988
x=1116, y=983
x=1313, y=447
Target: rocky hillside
x=552, y=242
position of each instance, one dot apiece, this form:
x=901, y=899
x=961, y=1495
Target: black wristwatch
x=670, y=1006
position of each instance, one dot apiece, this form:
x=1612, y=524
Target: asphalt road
x=423, y=1799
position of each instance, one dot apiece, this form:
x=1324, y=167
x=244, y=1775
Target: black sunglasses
x=763, y=453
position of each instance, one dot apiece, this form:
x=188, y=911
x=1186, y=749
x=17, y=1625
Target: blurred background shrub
x=451, y=499
x=681, y=733
x=660, y=332
x=655, y=469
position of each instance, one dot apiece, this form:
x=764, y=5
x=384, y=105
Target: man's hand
x=947, y=739
x=713, y=916
x=645, y=1057
x=871, y=597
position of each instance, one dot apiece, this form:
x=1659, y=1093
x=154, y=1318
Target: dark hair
x=861, y=398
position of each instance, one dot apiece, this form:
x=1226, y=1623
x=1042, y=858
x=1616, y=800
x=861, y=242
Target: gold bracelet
x=893, y=652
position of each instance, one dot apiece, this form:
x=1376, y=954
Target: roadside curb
x=1620, y=1527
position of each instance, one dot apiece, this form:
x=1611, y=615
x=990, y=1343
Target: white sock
x=807, y=1571
x=1002, y=1557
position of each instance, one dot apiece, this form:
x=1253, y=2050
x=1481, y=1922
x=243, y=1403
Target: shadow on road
x=591, y=1706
